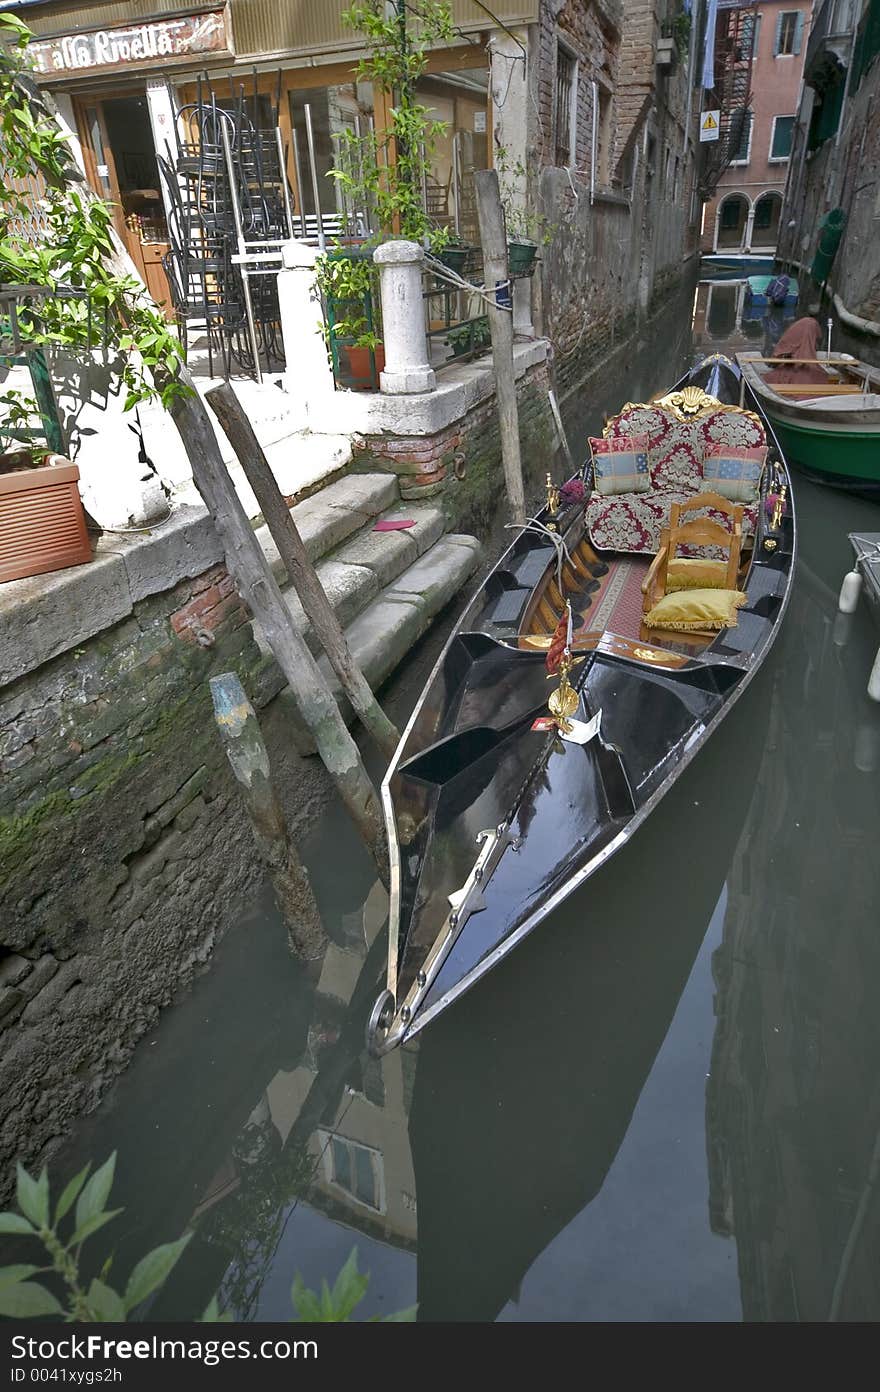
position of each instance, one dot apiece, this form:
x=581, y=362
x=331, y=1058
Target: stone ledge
x=43, y=616
x=459, y=389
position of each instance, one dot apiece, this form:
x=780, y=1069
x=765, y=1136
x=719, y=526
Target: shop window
x=789, y=32
x=461, y=101
x=564, y=119
x=780, y=144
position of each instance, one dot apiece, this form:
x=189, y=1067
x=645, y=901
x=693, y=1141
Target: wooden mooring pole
x=240, y=731
x=494, y=242
x=257, y=586
x=320, y=612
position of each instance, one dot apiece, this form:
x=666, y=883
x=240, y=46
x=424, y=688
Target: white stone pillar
x=161, y=109
x=749, y=232
x=407, y=369
x=308, y=378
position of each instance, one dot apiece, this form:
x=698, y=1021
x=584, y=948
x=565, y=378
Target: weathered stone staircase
x=386, y=587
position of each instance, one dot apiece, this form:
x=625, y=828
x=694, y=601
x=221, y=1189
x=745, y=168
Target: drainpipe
x=833, y=163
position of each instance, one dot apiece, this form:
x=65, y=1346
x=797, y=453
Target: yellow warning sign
x=709, y=124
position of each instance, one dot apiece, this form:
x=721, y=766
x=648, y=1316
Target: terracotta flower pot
x=42, y=522
x=359, y=366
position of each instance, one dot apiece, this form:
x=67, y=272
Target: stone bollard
x=407, y=369
x=309, y=376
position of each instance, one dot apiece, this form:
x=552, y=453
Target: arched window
x=733, y=215
x=765, y=228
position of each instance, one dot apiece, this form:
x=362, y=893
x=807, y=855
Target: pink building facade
x=744, y=214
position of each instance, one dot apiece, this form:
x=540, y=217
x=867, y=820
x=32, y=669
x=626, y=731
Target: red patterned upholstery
x=632, y=522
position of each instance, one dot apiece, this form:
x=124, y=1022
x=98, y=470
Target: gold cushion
x=695, y=610
x=695, y=573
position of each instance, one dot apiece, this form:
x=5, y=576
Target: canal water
x=663, y=1106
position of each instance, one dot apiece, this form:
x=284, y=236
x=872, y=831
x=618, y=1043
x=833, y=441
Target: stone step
x=331, y=516
x=382, y=635
x=353, y=574
x=302, y=463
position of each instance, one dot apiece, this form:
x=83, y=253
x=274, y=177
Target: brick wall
x=616, y=242
x=461, y=465
x=123, y=847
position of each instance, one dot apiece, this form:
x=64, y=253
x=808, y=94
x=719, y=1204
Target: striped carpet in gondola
x=617, y=604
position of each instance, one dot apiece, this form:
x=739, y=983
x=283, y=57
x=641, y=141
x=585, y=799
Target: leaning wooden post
x=240, y=731
x=494, y=242
x=257, y=587
x=228, y=410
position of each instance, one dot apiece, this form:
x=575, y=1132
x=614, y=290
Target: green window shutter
x=778, y=35
x=798, y=33
x=782, y=133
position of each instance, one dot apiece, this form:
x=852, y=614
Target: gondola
x=504, y=795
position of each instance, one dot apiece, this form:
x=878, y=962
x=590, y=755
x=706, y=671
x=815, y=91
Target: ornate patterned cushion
x=632, y=522
x=620, y=464
x=735, y=473
x=731, y=428
x=675, y=448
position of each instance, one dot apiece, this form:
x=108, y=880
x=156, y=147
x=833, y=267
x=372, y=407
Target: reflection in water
x=543, y=1152
x=793, y=1107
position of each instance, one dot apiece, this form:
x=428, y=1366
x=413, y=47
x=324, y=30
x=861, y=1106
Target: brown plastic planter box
x=42, y=522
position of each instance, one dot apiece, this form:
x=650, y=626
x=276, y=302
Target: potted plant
x=42, y=520
x=470, y=337
x=454, y=252
x=527, y=229
x=347, y=280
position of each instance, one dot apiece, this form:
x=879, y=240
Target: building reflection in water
x=793, y=1102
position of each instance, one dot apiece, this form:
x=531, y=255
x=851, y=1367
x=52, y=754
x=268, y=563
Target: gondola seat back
x=633, y=522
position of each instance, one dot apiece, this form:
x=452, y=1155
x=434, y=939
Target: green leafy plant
x=22, y=1297
x=385, y=169
x=67, y=242
x=522, y=223
x=474, y=335
x=347, y=283
x=20, y=422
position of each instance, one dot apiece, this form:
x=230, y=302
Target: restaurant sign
x=139, y=45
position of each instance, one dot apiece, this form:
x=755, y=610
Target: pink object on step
x=394, y=524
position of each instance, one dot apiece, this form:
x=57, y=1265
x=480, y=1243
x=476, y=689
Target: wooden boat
x=500, y=800
x=735, y=264
x=830, y=430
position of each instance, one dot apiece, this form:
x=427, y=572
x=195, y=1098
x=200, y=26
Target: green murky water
x=662, y=1106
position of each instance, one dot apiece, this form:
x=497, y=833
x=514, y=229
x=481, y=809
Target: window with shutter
x=780, y=144
x=789, y=33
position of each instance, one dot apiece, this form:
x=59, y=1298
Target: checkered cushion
x=734, y=473
x=621, y=465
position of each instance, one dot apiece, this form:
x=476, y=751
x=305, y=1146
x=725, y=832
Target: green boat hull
x=847, y=459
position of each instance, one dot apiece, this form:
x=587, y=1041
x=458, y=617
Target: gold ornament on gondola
x=552, y=497
x=564, y=701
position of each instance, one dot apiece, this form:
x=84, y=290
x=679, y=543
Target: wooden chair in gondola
x=671, y=573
